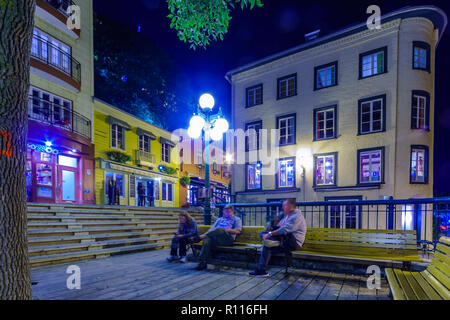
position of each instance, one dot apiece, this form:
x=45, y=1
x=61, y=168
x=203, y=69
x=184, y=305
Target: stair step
x=73, y=224
x=34, y=241
x=85, y=245
x=93, y=253
x=32, y=217
x=95, y=229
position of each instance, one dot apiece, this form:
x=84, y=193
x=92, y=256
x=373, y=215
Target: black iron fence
x=61, y=5
x=58, y=115
x=429, y=217
x=45, y=51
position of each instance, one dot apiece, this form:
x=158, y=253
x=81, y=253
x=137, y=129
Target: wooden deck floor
x=147, y=275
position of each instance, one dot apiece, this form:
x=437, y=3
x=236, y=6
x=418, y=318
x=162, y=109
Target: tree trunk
x=16, y=29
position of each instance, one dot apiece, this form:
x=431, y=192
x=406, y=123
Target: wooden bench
x=393, y=248
x=430, y=284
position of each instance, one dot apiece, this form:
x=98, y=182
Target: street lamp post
x=213, y=126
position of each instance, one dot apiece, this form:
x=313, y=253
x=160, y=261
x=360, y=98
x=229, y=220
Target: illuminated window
x=407, y=217
x=286, y=173
x=371, y=163
x=419, y=164
x=254, y=176
x=67, y=161
x=421, y=56
x=325, y=169
x=326, y=76
x=373, y=63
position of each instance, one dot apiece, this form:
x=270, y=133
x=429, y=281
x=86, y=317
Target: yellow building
x=136, y=163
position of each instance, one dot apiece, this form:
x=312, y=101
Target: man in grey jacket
x=292, y=228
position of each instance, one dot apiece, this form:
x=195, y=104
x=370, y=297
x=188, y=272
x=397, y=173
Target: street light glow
x=206, y=101
x=194, y=132
x=216, y=134
x=197, y=122
x=221, y=124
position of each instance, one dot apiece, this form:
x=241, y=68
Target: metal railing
x=61, y=5
x=57, y=115
x=144, y=156
x=44, y=51
x=430, y=218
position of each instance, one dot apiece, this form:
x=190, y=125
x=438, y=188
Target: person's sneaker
x=172, y=258
x=258, y=273
x=201, y=266
x=183, y=259
x=271, y=243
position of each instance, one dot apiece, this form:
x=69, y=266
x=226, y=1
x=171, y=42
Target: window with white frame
x=165, y=152
x=253, y=176
x=117, y=136
x=286, y=126
x=286, y=173
x=46, y=48
x=287, y=86
x=254, y=95
x=166, y=191
x=371, y=115
x=326, y=76
x=325, y=123
x=419, y=111
x=252, y=135
x=370, y=166
x=373, y=63
x=419, y=165
x=325, y=169
x=144, y=143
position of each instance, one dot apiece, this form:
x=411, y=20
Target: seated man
x=222, y=233
x=289, y=235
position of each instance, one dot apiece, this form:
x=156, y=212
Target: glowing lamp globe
x=222, y=124
x=216, y=134
x=194, y=132
x=197, y=122
x=206, y=101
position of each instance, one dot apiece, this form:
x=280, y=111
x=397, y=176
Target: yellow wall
x=102, y=140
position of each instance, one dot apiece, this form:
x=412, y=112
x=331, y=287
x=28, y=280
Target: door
x=68, y=180
x=343, y=216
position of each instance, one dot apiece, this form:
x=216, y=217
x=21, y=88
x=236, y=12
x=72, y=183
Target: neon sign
x=41, y=148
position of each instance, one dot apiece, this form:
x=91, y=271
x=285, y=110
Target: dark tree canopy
x=132, y=73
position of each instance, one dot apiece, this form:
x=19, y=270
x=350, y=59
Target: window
x=254, y=95
x=373, y=63
x=286, y=126
x=253, y=175
x=371, y=114
x=287, y=86
x=46, y=107
x=167, y=191
x=286, y=173
x=67, y=161
x=325, y=76
x=325, y=169
x=371, y=166
x=252, y=135
x=325, y=123
x=420, y=110
x=419, y=164
x=50, y=50
x=144, y=143
x=165, y=152
x=421, y=56
x=117, y=136
x=407, y=217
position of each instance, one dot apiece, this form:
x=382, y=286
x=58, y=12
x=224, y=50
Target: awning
x=167, y=141
x=142, y=132
x=121, y=123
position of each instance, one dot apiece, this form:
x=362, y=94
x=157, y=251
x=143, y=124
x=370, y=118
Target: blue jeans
x=267, y=253
x=178, y=245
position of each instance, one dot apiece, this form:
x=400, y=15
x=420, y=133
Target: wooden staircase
x=65, y=233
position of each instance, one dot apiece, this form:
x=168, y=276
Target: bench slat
x=406, y=287
x=439, y=275
x=415, y=286
x=427, y=288
x=396, y=290
x=443, y=248
x=443, y=292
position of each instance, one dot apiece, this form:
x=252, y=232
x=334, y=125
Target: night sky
x=277, y=26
